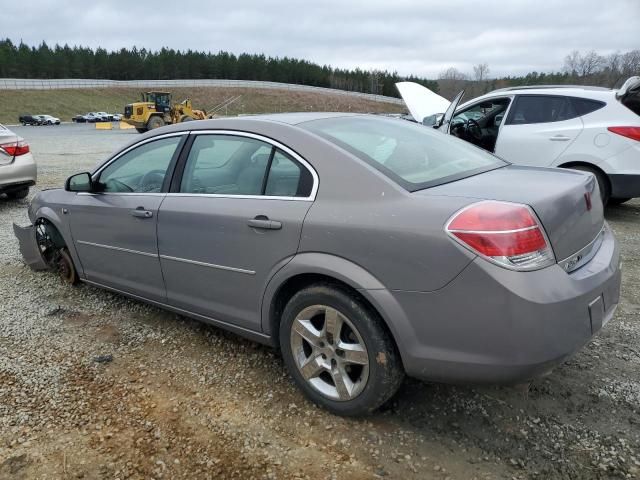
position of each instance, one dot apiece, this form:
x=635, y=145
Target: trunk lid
x=567, y=202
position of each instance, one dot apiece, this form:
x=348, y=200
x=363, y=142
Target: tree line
x=579, y=68
x=23, y=61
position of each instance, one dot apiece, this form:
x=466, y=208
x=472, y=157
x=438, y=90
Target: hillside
x=67, y=103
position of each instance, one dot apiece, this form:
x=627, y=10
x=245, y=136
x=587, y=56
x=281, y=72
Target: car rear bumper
x=493, y=325
x=20, y=173
x=625, y=186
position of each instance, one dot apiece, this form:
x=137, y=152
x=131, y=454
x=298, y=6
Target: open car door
x=448, y=115
x=421, y=101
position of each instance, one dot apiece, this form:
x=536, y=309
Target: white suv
x=586, y=128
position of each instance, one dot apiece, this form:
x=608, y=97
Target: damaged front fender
x=29, y=247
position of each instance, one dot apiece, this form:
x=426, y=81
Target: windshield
x=414, y=156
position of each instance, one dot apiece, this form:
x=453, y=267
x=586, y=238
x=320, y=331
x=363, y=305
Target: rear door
x=539, y=128
x=115, y=231
x=233, y=217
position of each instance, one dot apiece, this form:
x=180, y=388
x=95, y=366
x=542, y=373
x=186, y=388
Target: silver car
x=18, y=169
x=365, y=248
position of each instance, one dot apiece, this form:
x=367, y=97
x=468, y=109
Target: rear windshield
x=412, y=155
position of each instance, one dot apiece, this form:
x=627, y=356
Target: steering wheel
x=116, y=186
x=473, y=129
x=151, y=180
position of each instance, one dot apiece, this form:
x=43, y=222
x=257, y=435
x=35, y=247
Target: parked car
x=116, y=117
x=48, y=120
x=586, y=128
x=90, y=117
x=17, y=166
x=29, y=120
x=442, y=261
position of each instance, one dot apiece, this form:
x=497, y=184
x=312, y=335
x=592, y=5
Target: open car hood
x=628, y=88
x=421, y=101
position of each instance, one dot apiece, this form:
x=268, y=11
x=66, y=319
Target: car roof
x=295, y=118
x=595, y=93
x=553, y=87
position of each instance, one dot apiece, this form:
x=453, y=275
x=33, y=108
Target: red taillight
x=15, y=149
x=630, y=132
x=507, y=233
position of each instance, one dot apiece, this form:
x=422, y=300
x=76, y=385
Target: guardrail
x=66, y=83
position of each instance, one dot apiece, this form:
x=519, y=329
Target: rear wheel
x=603, y=183
x=141, y=130
x=18, y=194
x=338, y=351
x=186, y=118
x=155, y=122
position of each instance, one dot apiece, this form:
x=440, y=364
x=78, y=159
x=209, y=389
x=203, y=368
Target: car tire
x=155, y=122
x=18, y=194
x=141, y=130
x=368, y=368
x=603, y=183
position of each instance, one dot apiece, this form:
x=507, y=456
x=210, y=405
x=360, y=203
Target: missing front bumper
x=29, y=247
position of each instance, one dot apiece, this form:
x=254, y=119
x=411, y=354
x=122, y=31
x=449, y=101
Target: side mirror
x=498, y=120
x=80, y=182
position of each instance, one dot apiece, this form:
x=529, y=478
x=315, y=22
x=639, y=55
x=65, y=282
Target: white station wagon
x=585, y=128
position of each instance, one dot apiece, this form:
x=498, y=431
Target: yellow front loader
x=156, y=110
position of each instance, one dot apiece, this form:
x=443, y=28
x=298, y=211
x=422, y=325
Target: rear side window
x=287, y=178
x=412, y=155
x=226, y=165
x=234, y=165
x=582, y=106
x=541, y=109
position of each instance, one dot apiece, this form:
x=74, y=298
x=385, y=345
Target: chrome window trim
x=139, y=194
x=245, y=197
x=134, y=146
x=210, y=265
x=237, y=133
x=119, y=249
x=585, y=254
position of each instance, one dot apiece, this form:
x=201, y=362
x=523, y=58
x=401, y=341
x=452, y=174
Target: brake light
x=630, y=132
x=15, y=149
x=508, y=234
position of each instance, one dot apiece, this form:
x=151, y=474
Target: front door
x=539, y=128
x=115, y=230
x=235, y=217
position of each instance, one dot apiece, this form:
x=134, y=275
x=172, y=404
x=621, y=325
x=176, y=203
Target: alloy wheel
x=329, y=352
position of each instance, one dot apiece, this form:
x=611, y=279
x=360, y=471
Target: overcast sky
x=421, y=37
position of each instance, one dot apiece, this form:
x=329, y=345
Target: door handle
x=263, y=222
x=559, y=138
x=140, y=212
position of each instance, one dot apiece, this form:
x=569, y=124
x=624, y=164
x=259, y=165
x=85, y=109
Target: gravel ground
x=93, y=385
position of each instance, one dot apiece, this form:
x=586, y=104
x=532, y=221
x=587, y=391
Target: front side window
x=412, y=155
x=541, y=109
x=141, y=170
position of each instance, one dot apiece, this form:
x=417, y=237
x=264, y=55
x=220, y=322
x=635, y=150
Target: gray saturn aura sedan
x=363, y=247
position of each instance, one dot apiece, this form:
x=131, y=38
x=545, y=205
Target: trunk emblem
x=587, y=199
